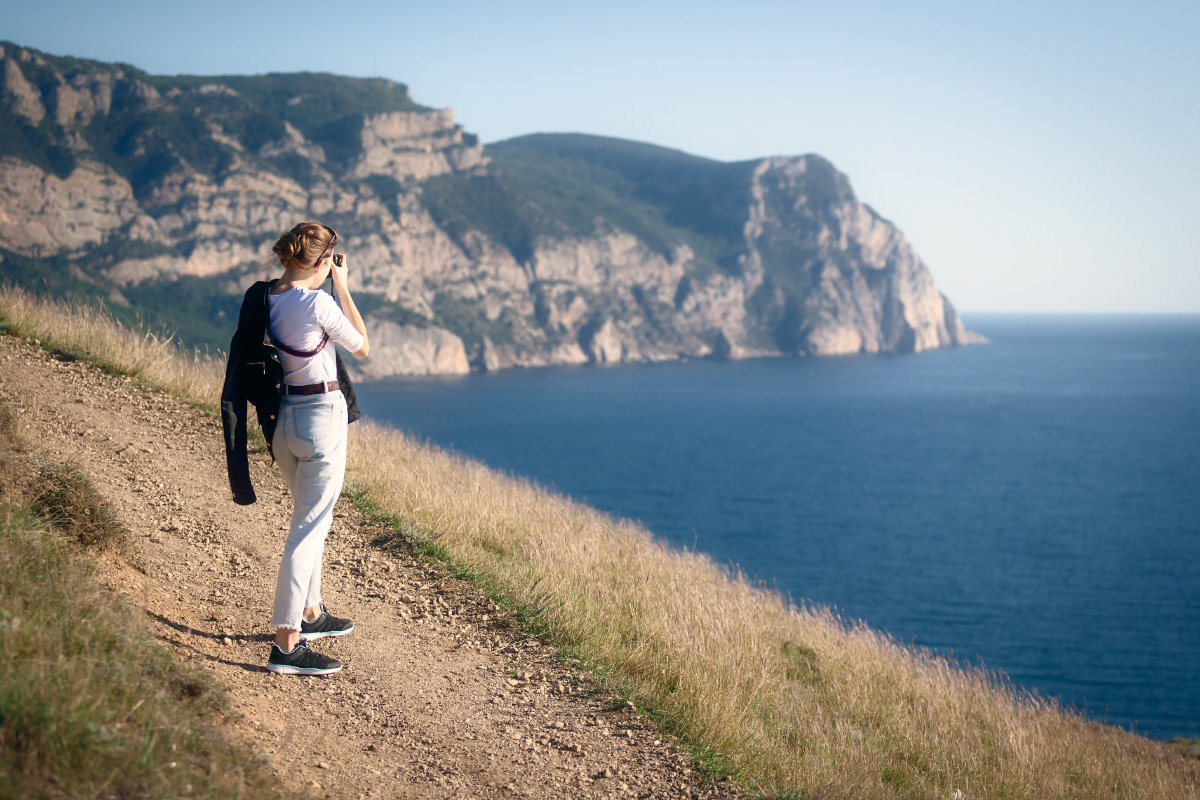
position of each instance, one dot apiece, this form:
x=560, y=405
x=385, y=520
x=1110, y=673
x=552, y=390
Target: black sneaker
x=325, y=625
x=301, y=661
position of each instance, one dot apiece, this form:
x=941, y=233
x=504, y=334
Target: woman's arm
x=348, y=308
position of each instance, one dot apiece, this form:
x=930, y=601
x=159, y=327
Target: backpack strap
x=298, y=353
x=267, y=286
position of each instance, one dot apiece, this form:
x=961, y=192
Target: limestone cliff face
x=20, y=96
x=41, y=213
x=414, y=145
x=857, y=284
x=412, y=350
x=463, y=261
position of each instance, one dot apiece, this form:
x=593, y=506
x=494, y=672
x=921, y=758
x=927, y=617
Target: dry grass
x=794, y=700
x=83, y=332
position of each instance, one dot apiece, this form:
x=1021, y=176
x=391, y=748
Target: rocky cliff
x=163, y=195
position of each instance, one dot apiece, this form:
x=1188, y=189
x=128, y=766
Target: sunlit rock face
x=412, y=350
x=43, y=214
x=831, y=275
x=415, y=145
x=541, y=250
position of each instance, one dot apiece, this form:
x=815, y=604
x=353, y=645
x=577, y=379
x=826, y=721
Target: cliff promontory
x=162, y=196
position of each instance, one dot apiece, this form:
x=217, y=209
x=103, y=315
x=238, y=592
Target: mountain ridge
x=161, y=195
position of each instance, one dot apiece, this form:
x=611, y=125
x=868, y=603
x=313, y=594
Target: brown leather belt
x=312, y=388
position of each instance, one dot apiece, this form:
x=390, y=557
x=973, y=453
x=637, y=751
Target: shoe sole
x=323, y=634
x=284, y=669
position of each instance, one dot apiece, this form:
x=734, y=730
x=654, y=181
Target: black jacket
x=254, y=373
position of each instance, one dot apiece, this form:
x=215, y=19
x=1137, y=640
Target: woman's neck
x=300, y=279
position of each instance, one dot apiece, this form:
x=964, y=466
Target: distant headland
x=161, y=196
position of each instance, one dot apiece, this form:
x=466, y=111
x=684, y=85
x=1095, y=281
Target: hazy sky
x=1040, y=156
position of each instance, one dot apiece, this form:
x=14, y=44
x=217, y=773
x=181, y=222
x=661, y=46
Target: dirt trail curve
x=438, y=698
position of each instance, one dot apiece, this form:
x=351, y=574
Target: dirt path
x=440, y=697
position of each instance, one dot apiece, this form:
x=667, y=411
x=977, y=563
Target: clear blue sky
x=1041, y=156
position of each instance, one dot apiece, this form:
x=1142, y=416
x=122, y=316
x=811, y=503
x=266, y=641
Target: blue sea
x=1032, y=505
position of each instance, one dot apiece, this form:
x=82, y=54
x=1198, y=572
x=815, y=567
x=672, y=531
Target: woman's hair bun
x=303, y=244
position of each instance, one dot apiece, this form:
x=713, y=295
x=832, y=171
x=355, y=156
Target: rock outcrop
x=537, y=251
x=415, y=145
x=20, y=97
x=864, y=288
x=412, y=350
x=42, y=214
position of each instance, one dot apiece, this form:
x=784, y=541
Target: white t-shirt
x=300, y=318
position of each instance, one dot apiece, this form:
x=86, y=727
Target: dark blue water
x=1033, y=504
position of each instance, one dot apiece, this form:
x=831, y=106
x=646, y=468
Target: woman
x=308, y=438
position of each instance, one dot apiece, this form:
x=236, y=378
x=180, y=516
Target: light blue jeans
x=310, y=447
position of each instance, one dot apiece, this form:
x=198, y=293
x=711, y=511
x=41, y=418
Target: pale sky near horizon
x=1039, y=156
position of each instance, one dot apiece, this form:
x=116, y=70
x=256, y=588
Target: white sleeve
x=337, y=325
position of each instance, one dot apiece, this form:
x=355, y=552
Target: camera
x=337, y=259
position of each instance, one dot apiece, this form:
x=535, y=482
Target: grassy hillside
x=665, y=197
x=791, y=698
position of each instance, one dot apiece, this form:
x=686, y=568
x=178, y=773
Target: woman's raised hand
x=339, y=269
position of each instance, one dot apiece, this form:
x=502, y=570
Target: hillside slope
x=443, y=695
x=162, y=195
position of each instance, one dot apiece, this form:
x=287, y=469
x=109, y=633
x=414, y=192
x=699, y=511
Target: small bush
x=57, y=493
